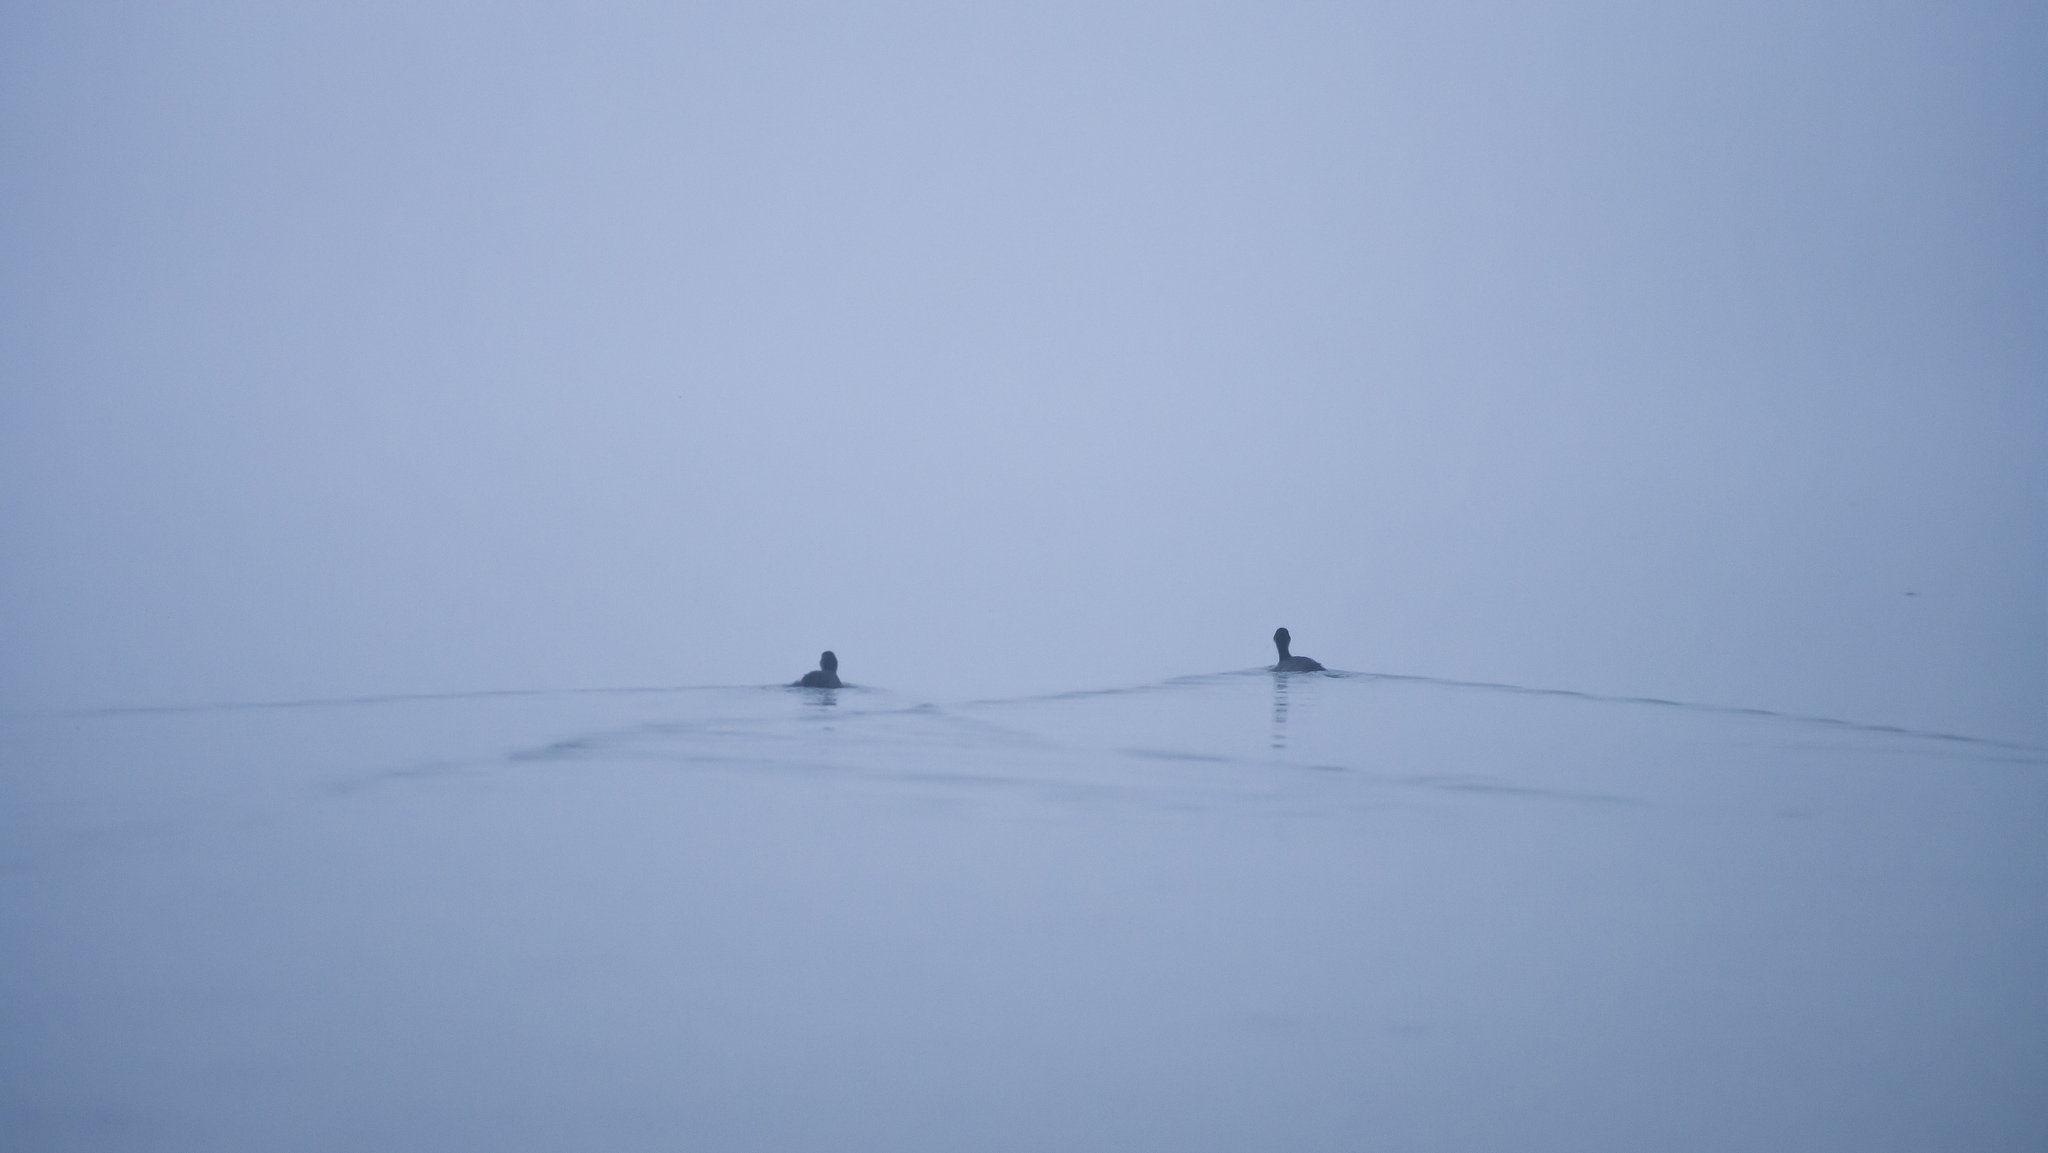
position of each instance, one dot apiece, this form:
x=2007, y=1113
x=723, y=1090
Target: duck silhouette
x=825, y=676
x=1289, y=663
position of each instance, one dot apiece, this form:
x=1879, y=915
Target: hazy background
x=398, y=347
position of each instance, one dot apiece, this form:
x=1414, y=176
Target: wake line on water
x=1722, y=710
x=356, y=701
x=1528, y=690
x=368, y=700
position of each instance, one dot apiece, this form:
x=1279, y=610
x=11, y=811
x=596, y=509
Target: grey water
x=1242, y=910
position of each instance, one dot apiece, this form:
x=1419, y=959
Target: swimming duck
x=826, y=675
x=1292, y=664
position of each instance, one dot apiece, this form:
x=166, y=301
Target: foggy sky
x=1694, y=352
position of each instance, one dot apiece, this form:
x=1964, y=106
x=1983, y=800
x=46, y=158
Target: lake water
x=1229, y=912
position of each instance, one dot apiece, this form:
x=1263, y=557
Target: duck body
x=825, y=676
x=1290, y=663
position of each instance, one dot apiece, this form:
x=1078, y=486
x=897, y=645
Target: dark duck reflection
x=1288, y=662
x=1280, y=712
x=826, y=675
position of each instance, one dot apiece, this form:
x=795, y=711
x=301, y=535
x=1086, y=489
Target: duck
x=1292, y=664
x=826, y=675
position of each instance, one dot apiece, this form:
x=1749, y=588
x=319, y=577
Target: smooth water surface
x=1309, y=912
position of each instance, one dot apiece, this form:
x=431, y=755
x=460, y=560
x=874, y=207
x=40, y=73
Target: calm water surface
x=1308, y=912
